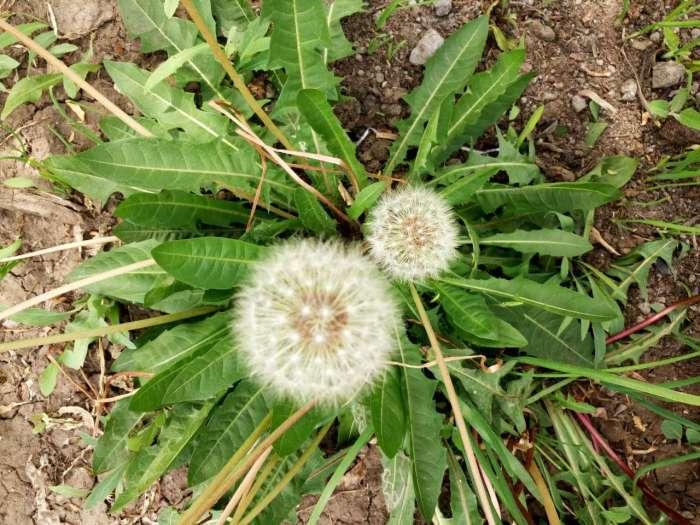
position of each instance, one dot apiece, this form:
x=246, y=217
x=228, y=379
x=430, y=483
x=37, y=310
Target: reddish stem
x=652, y=319
x=600, y=440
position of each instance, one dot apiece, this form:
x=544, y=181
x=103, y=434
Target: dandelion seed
x=316, y=321
x=412, y=234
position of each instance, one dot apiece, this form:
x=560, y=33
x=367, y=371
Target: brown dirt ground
x=585, y=54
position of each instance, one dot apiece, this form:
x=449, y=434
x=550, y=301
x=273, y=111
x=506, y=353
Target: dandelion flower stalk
x=413, y=235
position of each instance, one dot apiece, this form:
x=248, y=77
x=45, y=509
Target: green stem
x=106, y=330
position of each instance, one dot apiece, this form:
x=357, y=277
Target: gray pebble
x=667, y=74
x=443, y=7
x=655, y=37
x=542, y=31
x=578, y=103
x=426, y=47
x=628, y=90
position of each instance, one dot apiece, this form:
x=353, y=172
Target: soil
x=586, y=53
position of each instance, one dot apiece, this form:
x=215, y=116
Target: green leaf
x=593, y=132
x=172, y=107
x=172, y=345
x=462, y=499
x=137, y=165
x=318, y=112
x=428, y=460
x=68, y=491
x=7, y=65
x=292, y=440
x=366, y=199
x=111, y=448
x=201, y=375
x=178, y=209
x=546, y=340
x=207, y=262
x=490, y=95
x=151, y=463
x=48, y=379
x=38, y=316
x=446, y=72
x=173, y=63
x=230, y=13
x=340, y=46
x=388, y=412
x=398, y=489
x=467, y=311
x=557, y=243
x=615, y=170
x=104, y=488
x=311, y=213
x=130, y=287
x=659, y=108
x=690, y=117
x=28, y=89
x=555, y=196
x=146, y=20
x=530, y=124
x=299, y=34
x=648, y=252
x=6, y=39
x=550, y=297
x=229, y=426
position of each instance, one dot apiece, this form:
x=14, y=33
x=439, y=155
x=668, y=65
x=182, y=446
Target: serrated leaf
x=201, y=375
x=28, y=89
x=557, y=243
x=131, y=287
x=428, y=460
x=299, y=35
x=152, y=462
x=544, y=338
x=130, y=232
x=490, y=95
x=555, y=196
x=550, y=297
x=230, y=13
x=172, y=345
x=467, y=311
x=317, y=111
x=446, y=72
x=146, y=19
x=311, y=213
x=207, y=262
x=340, y=46
x=388, y=412
x=178, y=209
x=111, y=450
x=105, y=487
x=294, y=437
x=229, y=426
x=643, y=257
x=172, y=107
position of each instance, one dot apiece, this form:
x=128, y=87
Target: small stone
x=667, y=74
x=578, y=103
x=443, y=7
x=379, y=77
x=542, y=31
x=641, y=43
x=628, y=90
x=547, y=96
x=77, y=19
x=655, y=37
x=426, y=47
x=695, y=33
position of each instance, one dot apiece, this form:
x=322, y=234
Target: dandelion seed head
x=316, y=321
x=412, y=233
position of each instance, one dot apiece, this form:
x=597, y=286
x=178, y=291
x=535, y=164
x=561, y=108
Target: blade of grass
x=349, y=457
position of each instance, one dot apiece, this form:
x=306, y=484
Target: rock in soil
x=667, y=74
x=628, y=90
x=541, y=31
x=76, y=19
x=426, y=47
x=443, y=7
x=578, y=103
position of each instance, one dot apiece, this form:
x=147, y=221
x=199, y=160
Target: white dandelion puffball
x=316, y=321
x=412, y=233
